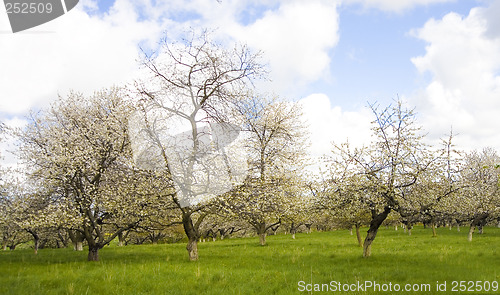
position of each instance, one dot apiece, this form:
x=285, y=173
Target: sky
x=333, y=56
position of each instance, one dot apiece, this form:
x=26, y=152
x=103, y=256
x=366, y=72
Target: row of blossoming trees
x=398, y=173
x=114, y=165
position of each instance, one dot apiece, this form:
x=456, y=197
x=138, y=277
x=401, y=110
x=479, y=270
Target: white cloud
x=297, y=40
x=394, y=5
x=87, y=51
x=296, y=37
x=465, y=88
x=8, y=144
x=76, y=51
x=328, y=124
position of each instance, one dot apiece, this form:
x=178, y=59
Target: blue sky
x=372, y=59
x=441, y=56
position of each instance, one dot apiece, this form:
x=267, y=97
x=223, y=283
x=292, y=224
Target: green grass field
x=241, y=266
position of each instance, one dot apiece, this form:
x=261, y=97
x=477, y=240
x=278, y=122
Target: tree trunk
x=77, y=239
x=36, y=240
x=293, y=230
x=262, y=238
x=308, y=226
x=480, y=229
x=377, y=220
x=192, y=248
x=192, y=234
x=64, y=241
x=93, y=253
x=43, y=242
x=434, y=234
x=37, y=244
x=261, y=230
x=458, y=227
x=477, y=221
x=358, y=235
x=471, y=231
x=121, y=239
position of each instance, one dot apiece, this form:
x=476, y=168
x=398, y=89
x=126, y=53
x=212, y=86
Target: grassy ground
x=241, y=266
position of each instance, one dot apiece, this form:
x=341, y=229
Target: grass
x=241, y=266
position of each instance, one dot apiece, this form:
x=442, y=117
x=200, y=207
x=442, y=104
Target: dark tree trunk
x=377, y=220
x=262, y=238
x=121, y=239
x=274, y=228
x=192, y=248
x=192, y=234
x=43, y=242
x=155, y=237
x=63, y=240
x=261, y=232
x=37, y=245
x=477, y=221
x=294, y=228
x=482, y=223
x=77, y=239
x=223, y=232
x=93, y=253
x=95, y=243
x=358, y=235
x=308, y=226
x=36, y=240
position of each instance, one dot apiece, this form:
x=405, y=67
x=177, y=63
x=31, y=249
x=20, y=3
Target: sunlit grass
x=241, y=266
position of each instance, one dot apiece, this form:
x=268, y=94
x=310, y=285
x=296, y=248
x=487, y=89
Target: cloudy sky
x=440, y=56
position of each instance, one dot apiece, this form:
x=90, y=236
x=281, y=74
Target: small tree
x=343, y=195
x=480, y=199
x=391, y=165
x=432, y=196
x=275, y=141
